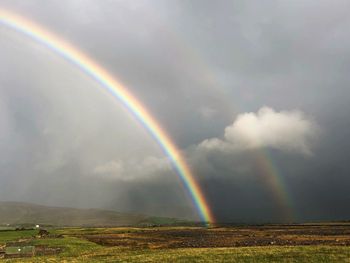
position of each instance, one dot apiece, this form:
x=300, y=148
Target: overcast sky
x=240, y=86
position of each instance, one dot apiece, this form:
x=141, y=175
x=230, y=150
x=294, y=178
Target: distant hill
x=17, y=213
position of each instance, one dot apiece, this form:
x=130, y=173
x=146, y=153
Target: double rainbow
x=118, y=91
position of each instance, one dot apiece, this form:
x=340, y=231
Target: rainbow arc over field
x=120, y=92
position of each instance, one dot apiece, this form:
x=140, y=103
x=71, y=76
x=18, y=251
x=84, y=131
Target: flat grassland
x=267, y=243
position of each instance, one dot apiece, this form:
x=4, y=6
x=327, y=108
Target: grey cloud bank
x=199, y=67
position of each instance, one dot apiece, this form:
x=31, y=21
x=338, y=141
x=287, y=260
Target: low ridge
x=19, y=213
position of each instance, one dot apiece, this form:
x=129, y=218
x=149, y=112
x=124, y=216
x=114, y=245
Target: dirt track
x=292, y=235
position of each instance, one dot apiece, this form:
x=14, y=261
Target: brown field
x=308, y=243
x=270, y=235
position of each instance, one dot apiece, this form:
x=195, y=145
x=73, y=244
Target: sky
x=254, y=94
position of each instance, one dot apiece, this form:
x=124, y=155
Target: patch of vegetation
x=74, y=247
x=7, y=236
x=82, y=251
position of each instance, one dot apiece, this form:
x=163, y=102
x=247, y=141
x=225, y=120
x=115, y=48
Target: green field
x=75, y=247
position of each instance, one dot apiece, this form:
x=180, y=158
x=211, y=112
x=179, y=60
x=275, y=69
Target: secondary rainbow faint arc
x=86, y=64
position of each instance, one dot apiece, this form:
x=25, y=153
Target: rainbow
x=267, y=169
x=272, y=178
x=118, y=91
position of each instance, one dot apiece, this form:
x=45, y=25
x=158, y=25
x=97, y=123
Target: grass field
x=185, y=244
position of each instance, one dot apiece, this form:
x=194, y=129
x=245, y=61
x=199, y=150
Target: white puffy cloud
x=112, y=169
x=285, y=130
x=129, y=170
x=153, y=165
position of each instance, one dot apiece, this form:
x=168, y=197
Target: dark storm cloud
x=196, y=65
